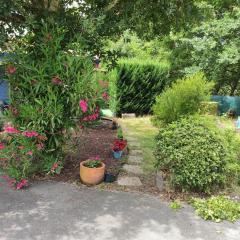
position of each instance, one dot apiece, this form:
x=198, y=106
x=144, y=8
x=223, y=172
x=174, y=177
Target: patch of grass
x=175, y=205
x=227, y=123
x=142, y=129
x=217, y=208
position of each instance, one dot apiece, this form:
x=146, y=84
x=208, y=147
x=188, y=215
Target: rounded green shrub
x=183, y=98
x=193, y=153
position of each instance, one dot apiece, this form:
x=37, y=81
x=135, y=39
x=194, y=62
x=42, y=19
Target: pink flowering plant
x=103, y=90
x=52, y=90
x=18, y=151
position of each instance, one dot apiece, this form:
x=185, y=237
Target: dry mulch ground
x=89, y=143
x=97, y=141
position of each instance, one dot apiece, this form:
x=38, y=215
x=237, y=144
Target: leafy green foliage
x=93, y=164
x=138, y=83
x=183, y=98
x=120, y=133
x=112, y=79
x=129, y=45
x=51, y=165
x=213, y=47
x=217, y=209
x=193, y=153
x=148, y=18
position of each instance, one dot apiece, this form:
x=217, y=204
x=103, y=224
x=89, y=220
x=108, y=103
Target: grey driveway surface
x=61, y=211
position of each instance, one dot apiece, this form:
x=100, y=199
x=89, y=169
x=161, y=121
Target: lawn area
x=142, y=129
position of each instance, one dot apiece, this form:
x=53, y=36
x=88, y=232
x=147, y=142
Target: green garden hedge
x=138, y=83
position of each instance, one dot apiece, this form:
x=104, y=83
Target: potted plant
x=109, y=178
x=118, y=147
x=92, y=171
x=111, y=174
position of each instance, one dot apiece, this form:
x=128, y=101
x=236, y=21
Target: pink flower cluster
x=54, y=167
x=10, y=69
x=13, y=183
x=30, y=134
x=97, y=157
x=93, y=116
x=21, y=184
x=14, y=110
x=11, y=130
x=30, y=153
x=40, y=146
x=2, y=146
x=83, y=105
x=105, y=96
x=56, y=80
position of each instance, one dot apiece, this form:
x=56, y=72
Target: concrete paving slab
x=136, y=152
x=132, y=169
x=134, y=144
x=129, y=181
x=133, y=159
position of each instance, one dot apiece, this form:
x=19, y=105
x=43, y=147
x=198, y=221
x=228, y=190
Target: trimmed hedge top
x=138, y=83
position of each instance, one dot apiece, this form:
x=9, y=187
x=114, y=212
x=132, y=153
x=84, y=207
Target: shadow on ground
x=59, y=211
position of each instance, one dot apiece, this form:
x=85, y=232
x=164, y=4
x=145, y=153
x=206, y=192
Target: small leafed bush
x=183, y=98
x=193, y=153
x=217, y=209
x=233, y=167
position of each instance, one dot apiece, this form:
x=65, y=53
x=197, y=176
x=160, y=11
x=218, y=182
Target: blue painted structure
x=225, y=103
x=4, y=91
x=4, y=86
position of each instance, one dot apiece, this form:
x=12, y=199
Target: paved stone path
x=132, y=168
x=61, y=211
x=129, y=181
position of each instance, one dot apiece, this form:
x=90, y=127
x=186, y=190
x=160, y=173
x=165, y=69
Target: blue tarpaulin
x=4, y=89
x=225, y=103
x=4, y=94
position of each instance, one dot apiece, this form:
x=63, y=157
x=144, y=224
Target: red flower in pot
x=118, y=147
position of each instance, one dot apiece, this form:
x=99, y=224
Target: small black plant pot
x=109, y=178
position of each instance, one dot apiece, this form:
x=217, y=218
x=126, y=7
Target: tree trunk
x=234, y=87
x=50, y=5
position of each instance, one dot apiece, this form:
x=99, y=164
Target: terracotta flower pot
x=91, y=176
